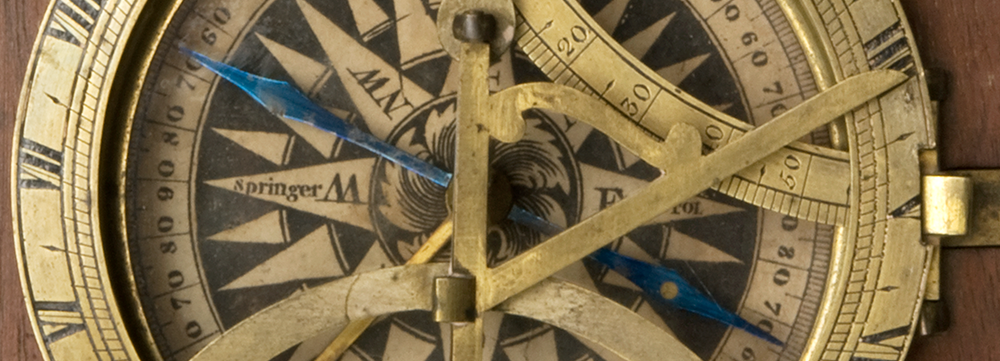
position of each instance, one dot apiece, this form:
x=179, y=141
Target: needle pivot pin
x=474, y=26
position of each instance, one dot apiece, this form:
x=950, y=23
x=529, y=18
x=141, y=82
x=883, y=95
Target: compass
x=248, y=183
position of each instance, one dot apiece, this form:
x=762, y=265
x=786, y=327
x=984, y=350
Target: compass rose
x=324, y=208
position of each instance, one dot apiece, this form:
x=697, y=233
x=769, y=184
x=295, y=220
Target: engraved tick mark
x=54, y=99
x=886, y=335
x=53, y=249
x=906, y=207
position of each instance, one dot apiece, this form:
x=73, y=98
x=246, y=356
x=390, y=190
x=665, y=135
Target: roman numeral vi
x=58, y=320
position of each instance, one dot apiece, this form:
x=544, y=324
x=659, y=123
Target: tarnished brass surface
x=508, y=125
x=875, y=283
x=332, y=305
x=61, y=119
x=471, y=183
x=815, y=199
x=454, y=299
x=403, y=288
x=946, y=205
x=585, y=313
x=984, y=213
x=934, y=318
x=686, y=173
x=681, y=180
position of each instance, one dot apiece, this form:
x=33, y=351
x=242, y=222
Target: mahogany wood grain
x=961, y=37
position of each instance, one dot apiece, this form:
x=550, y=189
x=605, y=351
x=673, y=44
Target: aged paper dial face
x=227, y=209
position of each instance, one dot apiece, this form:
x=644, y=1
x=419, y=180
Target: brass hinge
x=961, y=208
x=983, y=215
x=946, y=200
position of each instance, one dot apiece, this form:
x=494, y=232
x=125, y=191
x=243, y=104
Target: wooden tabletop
x=961, y=37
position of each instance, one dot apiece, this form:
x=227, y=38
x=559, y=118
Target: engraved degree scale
x=160, y=211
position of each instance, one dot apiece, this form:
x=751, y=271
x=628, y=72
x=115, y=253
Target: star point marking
x=644, y=309
x=274, y=147
x=676, y=73
x=271, y=228
x=312, y=257
x=686, y=248
x=640, y=44
x=305, y=71
x=369, y=18
x=309, y=349
x=327, y=144
x=412, y=26
x=375, y=259
x=623, y=157
x=492, y=321
x=611, y=15
x=578, y=274
x=403, y=344
x=379, y=91
x=536, y=345
x=630, y=248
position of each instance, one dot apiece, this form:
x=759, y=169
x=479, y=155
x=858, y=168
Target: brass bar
x=679, y=182
x=585, y=313
x=467, y=341
x=329, y=306
x=471, y=180
x=470, y=186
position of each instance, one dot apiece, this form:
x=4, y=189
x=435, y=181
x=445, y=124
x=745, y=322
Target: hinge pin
x=947, y=200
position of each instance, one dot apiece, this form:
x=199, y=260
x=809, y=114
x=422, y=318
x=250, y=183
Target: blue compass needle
x=666, y=285
x=284, y=100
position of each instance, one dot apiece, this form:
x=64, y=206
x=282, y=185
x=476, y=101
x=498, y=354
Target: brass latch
x=982, y=216
x=946, y=205
x=961, y=208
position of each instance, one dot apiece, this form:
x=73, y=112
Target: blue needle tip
x=284, y=100
x=667, y=286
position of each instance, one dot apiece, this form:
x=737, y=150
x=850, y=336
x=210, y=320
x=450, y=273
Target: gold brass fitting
x=947, y=200
x=454, y=299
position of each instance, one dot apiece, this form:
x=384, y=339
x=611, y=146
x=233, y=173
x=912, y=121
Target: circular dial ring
x=43, y=166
